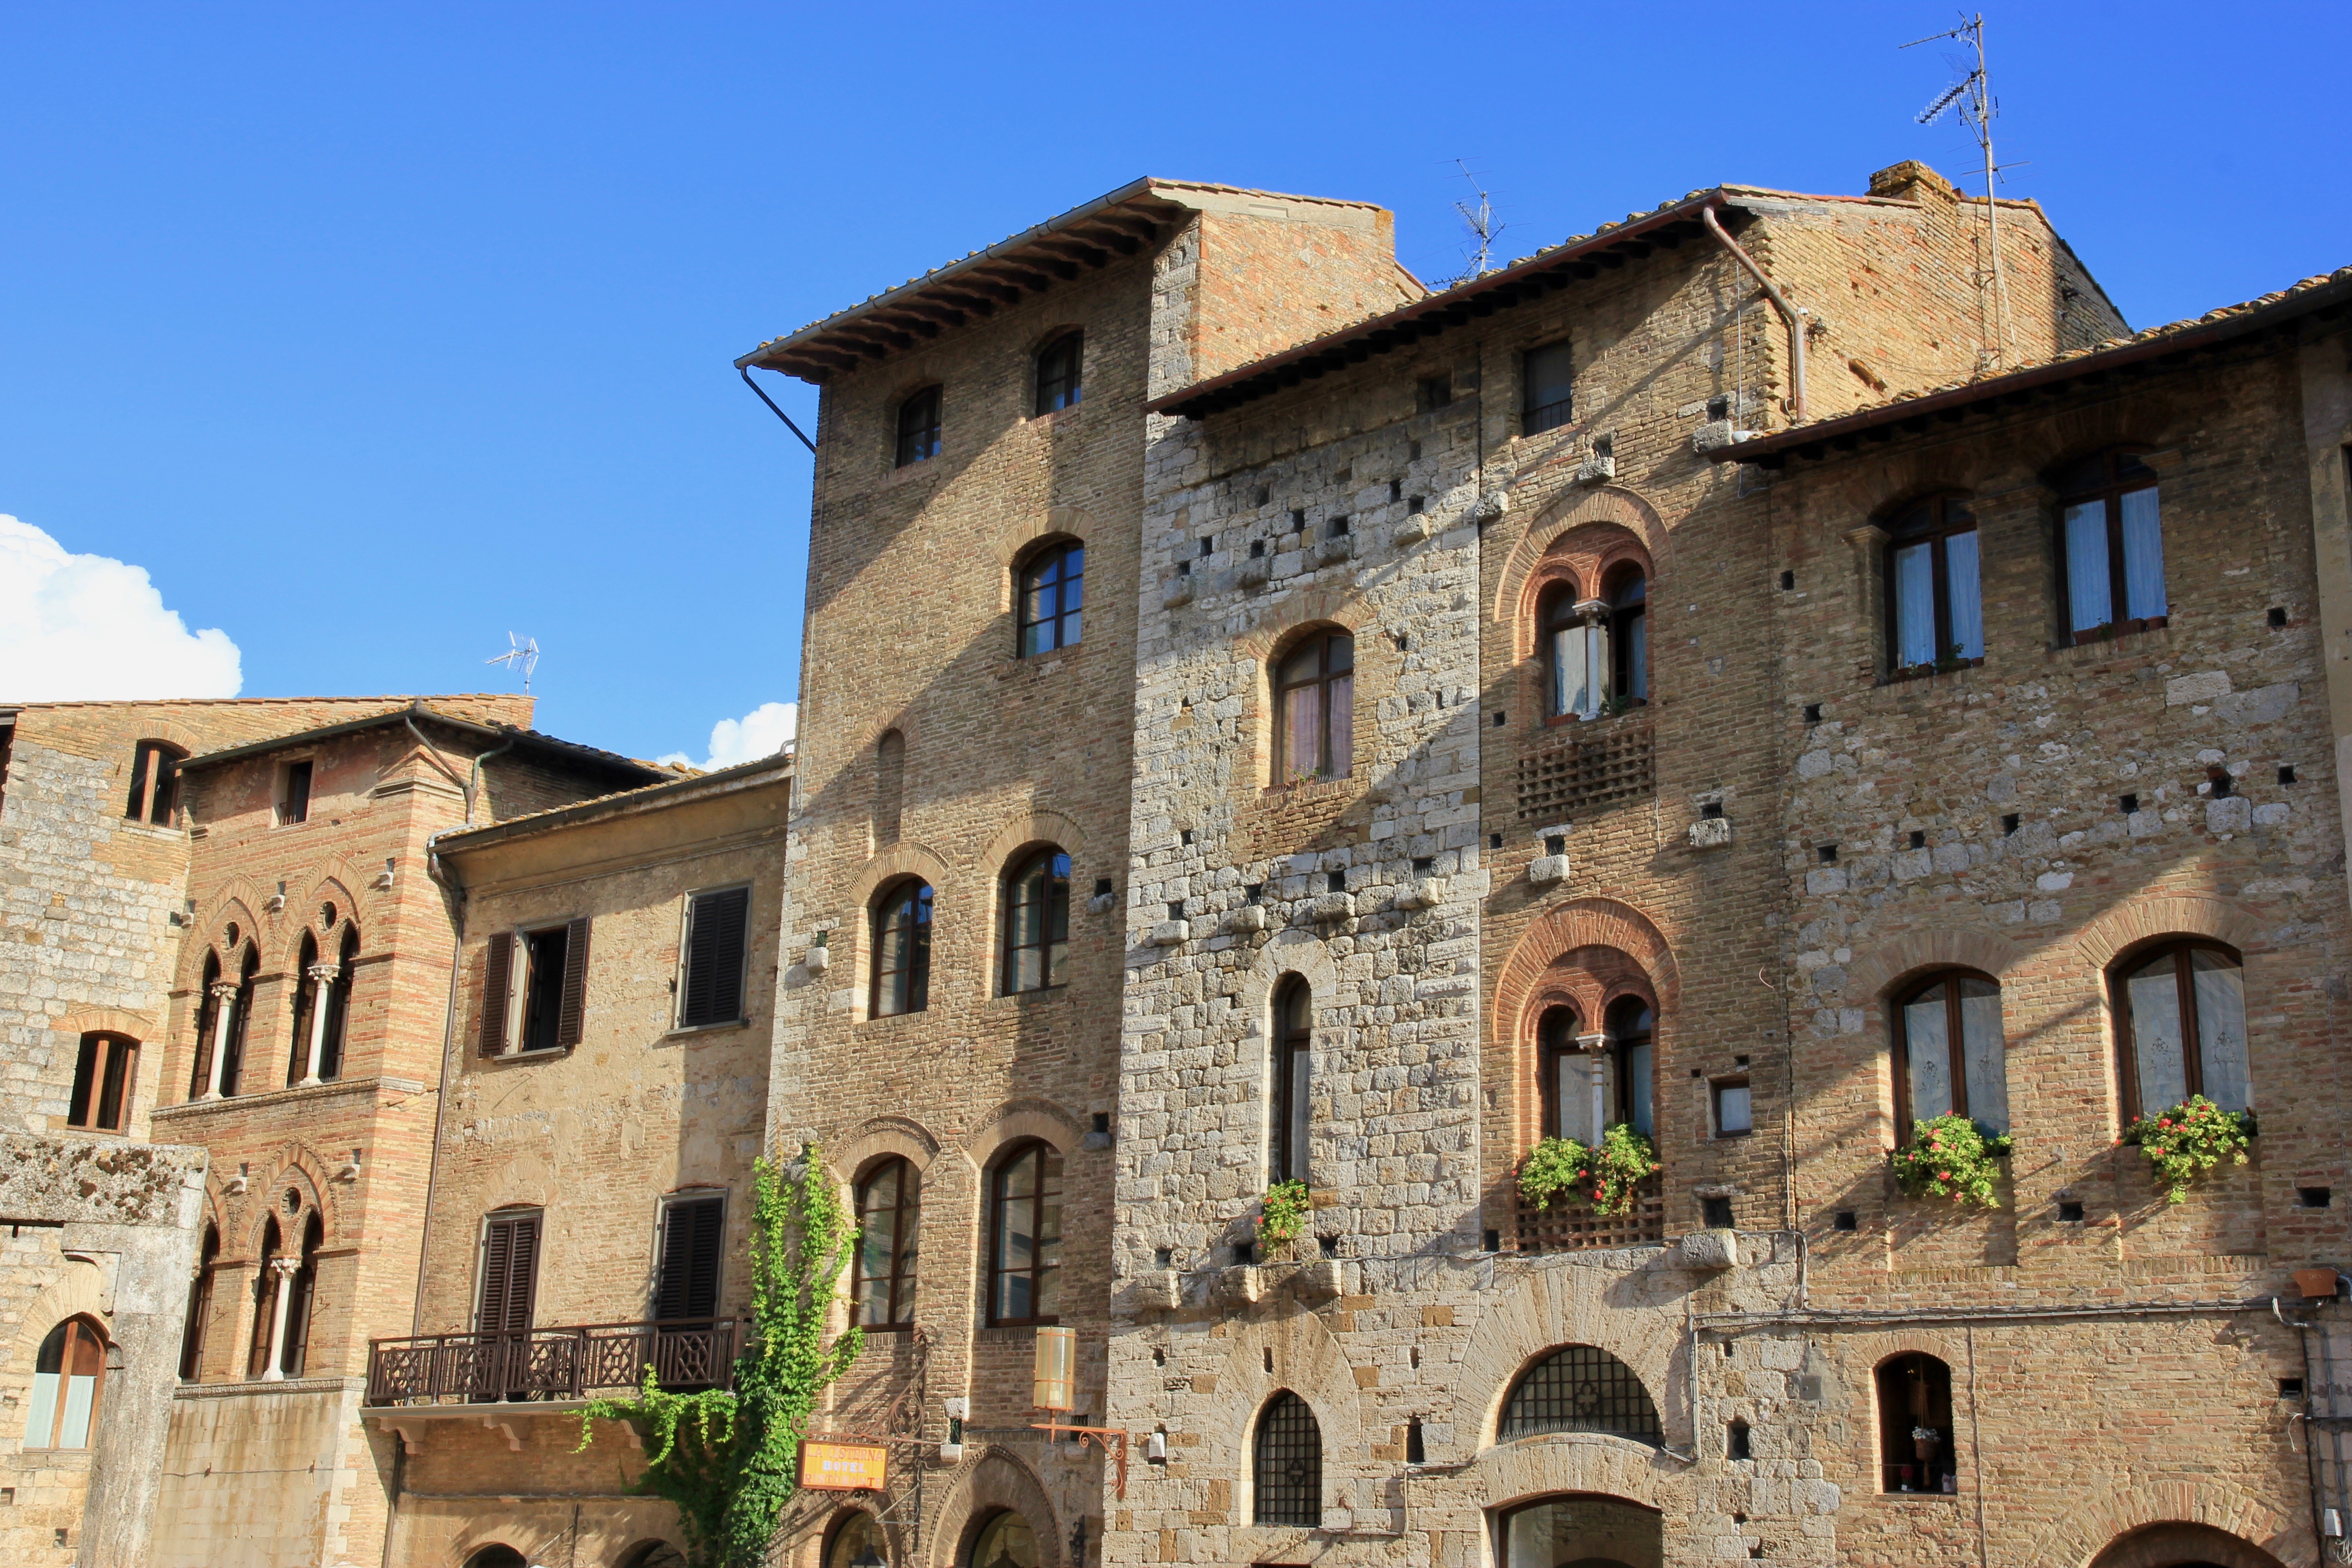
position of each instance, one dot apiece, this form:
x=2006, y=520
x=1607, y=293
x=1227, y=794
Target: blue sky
x=372, y=333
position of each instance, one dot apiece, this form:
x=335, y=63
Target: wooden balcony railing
x=552, y=1363
x=1569, y=1226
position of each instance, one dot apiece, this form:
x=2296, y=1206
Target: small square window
x=2069, y=1212
x=1712, y=811
x=1716, y=1214
x=1415, y=504
x=2009, y=823
x=1828, y=853
x=1718, y=408
x=1413, y=452
x=1396, y=490
x=2278, y=615
x=1493, y=841
x=1102, y=887
x=293, y=794
x=1208, y=548
x=1433, y=392
x=2315, y=1197
x=1788, y=580
x=1102, y=1121
x=1335, y=529
x=1734, y=1110
x=1919, y=839
x=1845, y=1219
x=1501, y=720
x=1246, y=1252
x=1490, y=1241
x=2286, y=773
x=1335, y=881
x=2290, y=1388
x=1735, y=1441
x=1176, y=909
x=1264, y=494
x=1299, y=519
x=1257, y=549
x=1813, y=712
x=1555, y=843
x=1423, y=864
x=2127, y=803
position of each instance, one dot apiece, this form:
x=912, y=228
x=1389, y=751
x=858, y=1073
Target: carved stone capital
x=1595, y=1043
x=323, y=973
x=224, y=989
x=285, y=1268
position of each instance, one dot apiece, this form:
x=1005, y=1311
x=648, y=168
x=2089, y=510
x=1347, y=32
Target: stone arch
x=878, y=1136
x=1017, y=1119
x=1572, y=1302
x=301, y=1168
x=2168, y=915
x=1588, y=923
x=2104, y=1518
x=2165, y=1546
x=904, y=858
x=1586, y=557
x=1310, y=1362
x=1325, y=604
x=143, y=1027
x=996, y=1479
x=234, y=901
x=78, y=1291
x=1609, y=504
x=1869, y=978
x=523, y=1181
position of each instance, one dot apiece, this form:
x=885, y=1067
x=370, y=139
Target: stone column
x=224, y=1013
x=1596, y=1050
x=322, y=990
x=285, y=1269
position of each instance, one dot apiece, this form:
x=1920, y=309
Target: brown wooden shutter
x=498, y=969
x=714, y=957
x=575, y=985
x=510, y=1273
x=693, y=1232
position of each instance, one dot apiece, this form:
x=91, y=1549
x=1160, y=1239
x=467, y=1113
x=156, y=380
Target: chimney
x=1911, y=181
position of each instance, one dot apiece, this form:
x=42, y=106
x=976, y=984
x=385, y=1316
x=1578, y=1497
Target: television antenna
x=1480, y=221
x=1972, y=97
x=524, y=654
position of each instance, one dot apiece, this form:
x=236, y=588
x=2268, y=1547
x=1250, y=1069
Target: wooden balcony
x=555, y=1363
x=1569, y=1226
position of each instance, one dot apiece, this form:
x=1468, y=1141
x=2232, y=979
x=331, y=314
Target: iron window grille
x=1287, y=1470
x=1580, y=1388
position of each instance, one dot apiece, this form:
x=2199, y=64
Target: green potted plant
x=1604, y=1175
x=1282, y=1213
x=1954, y=1158
x=2190, y=1139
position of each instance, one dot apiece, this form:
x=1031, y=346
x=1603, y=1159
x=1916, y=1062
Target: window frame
x=93, y=1082
x=288, y=809
x=1941, y=526
x=2115, y=483
x=1621, y=1056
x=674, y=1204
x=906, y=1246
x=1058, y=874
x=1894, y=1437
x=2192, y=1065
x=680, y=1021
x=921, y=441
x=1286, y=771
x=1308, y=1514
x=524, y=988
x=1605, y=1366
x=70, y=1333
x=1025, y=1149
x=1070, y=385
x=160, y=793
x=1535, y=418
x=919, y=948
x=1551, y=1055
x=1629, y=666
x=1067, y=625
x=1716, y=1089
x=1556, y=612
x=1291, y=1042
x=1955, y=1042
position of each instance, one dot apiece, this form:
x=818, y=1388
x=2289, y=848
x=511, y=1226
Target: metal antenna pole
x=1992, y=209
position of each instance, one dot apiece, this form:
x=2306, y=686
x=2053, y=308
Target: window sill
x=1037, y=665
x=545, y=1053
x=1562, y=721
x=1918, y=1497
x=1043, y=993
x=2118, y=632
x=1311, y=788
x=906, y=474
x=2157, y=637
x=1069, y=413
x=689, y=1030
x=1912, y=672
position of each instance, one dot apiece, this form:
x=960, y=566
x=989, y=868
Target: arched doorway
x=1004, y=1540
x=1579, y=1530
x=2182, y=1545
x=497, y=1555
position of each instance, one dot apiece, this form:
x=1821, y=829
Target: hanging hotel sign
x=843, y=1467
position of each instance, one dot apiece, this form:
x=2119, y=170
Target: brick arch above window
x=2117, y=931
x=1020, y=1121
x=308, y=1172
x=900, y=860
x=1035, y=827
x=1017, y=542
x=996, y=1481
x=1566, y=927
x=1871, y=977
x=2100, y=1517
x=880, y=1138
x=1333, y=608
x=1589, y=561
x=1588, y=981
x=1609, y=505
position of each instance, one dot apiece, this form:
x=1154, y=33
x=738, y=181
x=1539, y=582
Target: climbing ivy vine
x=726, y=1458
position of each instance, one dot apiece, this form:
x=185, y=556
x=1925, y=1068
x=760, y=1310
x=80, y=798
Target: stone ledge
x=283, y=1386
x=195, y=1108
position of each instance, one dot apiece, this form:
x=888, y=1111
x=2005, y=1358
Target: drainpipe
x=1788, y=314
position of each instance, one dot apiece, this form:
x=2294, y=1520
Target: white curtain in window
x=1574, y=1089
x=1929, y=1044
x=2089, y=602
x=1915, y=604
x=2155, y=994
x=1967, y=595
x=1983, y=1056
x=1638, y=1060
x=2219, y=987
x=2143, y=556
x=1579, y=661
x=1301, y=1091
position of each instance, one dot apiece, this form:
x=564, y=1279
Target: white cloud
x=85, y=628
x=761, y=732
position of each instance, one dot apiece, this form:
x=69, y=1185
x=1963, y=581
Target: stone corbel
x=514, y=1444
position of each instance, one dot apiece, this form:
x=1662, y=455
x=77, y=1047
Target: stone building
x=948, y=1029
x=607, y=1091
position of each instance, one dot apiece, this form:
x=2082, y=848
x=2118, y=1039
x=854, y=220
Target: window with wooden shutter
x=497, y=966
x=711, y=991
x=575, y=985
x=694, y=1234
x=509, y=1271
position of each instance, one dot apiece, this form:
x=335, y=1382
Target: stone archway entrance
x=2182, y=1545
x=1578, y=1529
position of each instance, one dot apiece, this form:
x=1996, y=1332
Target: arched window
x=2111, y=561
x=306, y=1010
x=1052, y=599
x=2180, y=1027
x=302, y=1289
x=855, y=1542
x=199, y=1069
x=266, y=1278
x=1934, y=601
x=106, y=1078
x=69, y=1377
x=200, y=1307
x=1286, y=1468
x=1580, y=1388
x=902, y=951
x=1950, y=1055
x=889, y=786
x=1059, y=367
x=497, y=1555
x=882, y=1290
x=1633, y=1060
x=1004, y=1540
x=339, y=1005
x=240, y=1006
x=1579, y=1529
x=1315, y=709
x=919, y=426
x=1570, y=640
x=1915, y=1439
x=1564, y=1077
x=1037, y=922
x=1629, y=639
x=154, y=782
x=1024, y=1252
x=1293, y=1057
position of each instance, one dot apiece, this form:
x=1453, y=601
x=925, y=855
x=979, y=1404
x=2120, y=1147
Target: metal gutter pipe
x=1788, y=314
